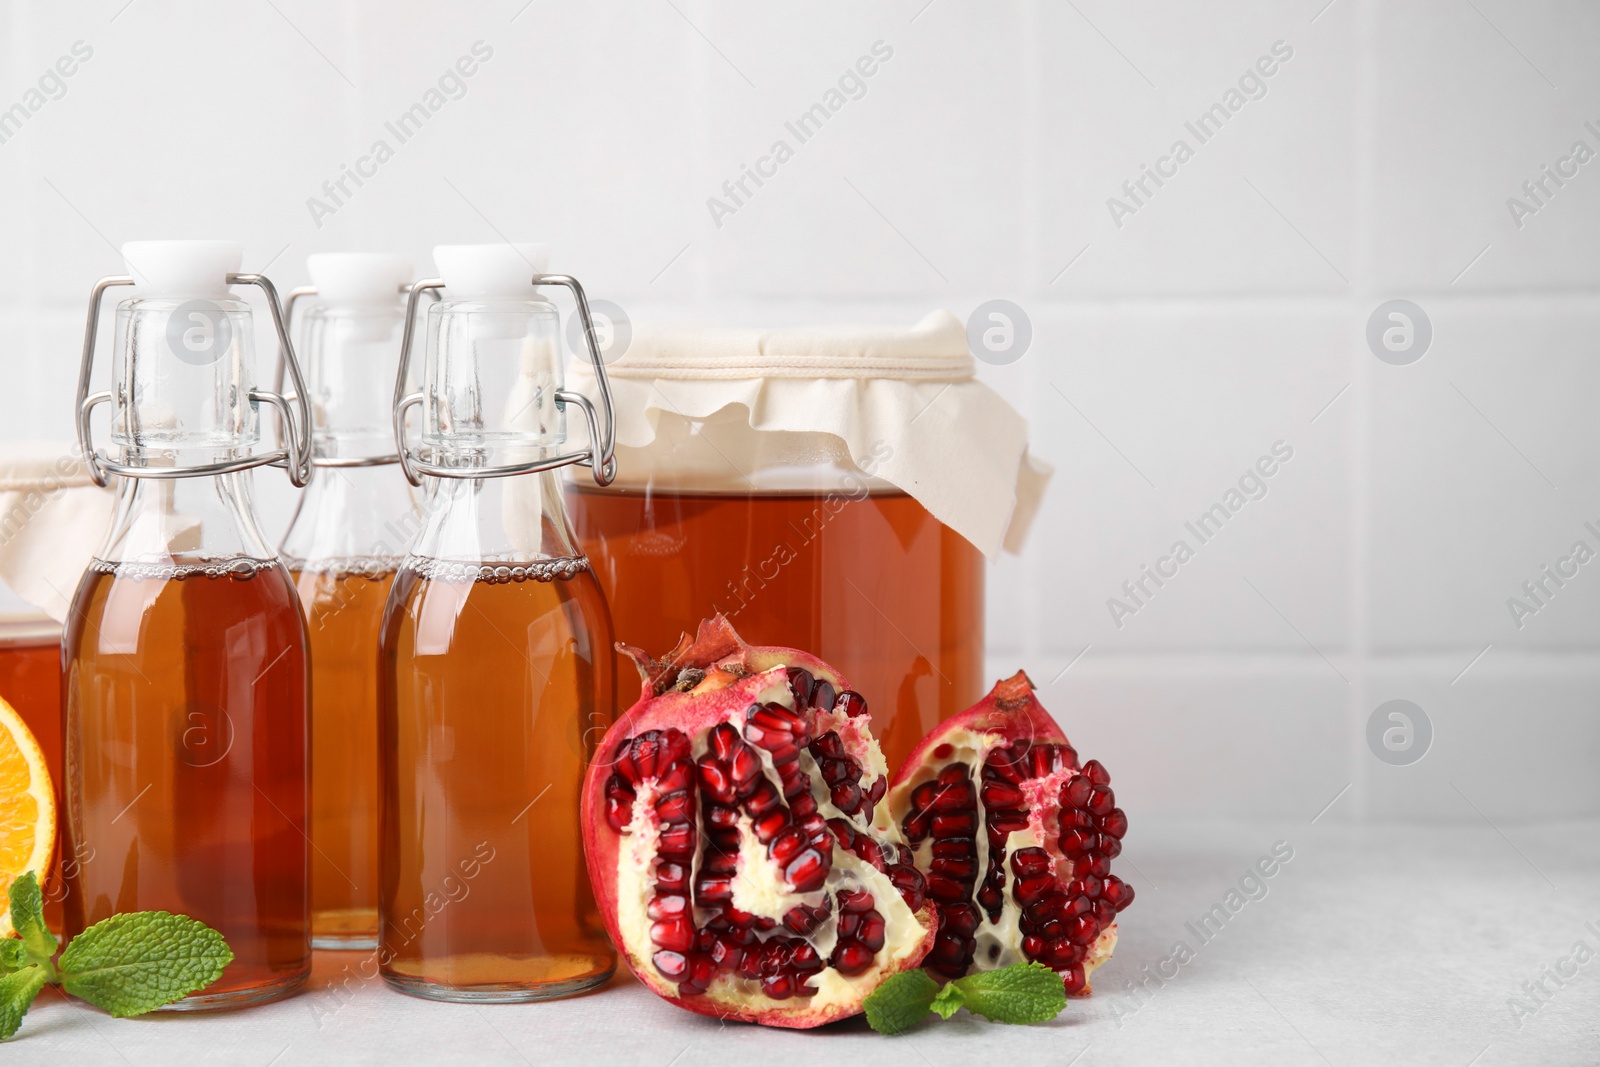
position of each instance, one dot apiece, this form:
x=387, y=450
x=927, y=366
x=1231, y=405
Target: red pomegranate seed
x=858, y=900
x=911, y=884
x=677, y=839
x=746, y=768
x=1074, y=841
x=1001, y=795
x=800, y=682
x=1030, y=862
x=618, y=813
x=1074, y=980
x=1095, y=771
x=1101, y=801
x=851, y=703
x=846, y=796
x=828, y=746
x=678, y=934
x=958, y=824
x=672, y=965
x=724, y=741
x=726, y=954
x=1082, y=929
x=674, y=807
x=1042, y=761
x=768, y=826
x=1115, y=823
x=872, y=931
x=807, y=871
x=1060, y=953
x=1075, y=794
x=673, y=876
x=788, y=844
x=667, y=905
x=851, y=958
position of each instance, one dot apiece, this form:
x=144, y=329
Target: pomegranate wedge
x=1015, y=840
x=728, y=821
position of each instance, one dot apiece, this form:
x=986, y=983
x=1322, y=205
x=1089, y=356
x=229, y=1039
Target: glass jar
x=343, y=546
x=782, y=479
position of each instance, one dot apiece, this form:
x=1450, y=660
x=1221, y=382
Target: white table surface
x=1374, y=945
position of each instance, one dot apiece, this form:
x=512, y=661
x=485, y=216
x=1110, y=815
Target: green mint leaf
x=1022, y=993
x=17, y=991
x=27, y=918
x=133, y=963
x=949, y=1000
x=901, y=1002
x=13, y=956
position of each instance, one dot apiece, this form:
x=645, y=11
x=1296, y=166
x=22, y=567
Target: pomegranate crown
x=685, y=665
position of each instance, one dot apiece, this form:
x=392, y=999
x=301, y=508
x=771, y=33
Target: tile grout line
x=1360, y=603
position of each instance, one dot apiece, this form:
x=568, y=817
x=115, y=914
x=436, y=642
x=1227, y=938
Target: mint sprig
x=127, y=965
x=901, y=1002
x=1022, y=993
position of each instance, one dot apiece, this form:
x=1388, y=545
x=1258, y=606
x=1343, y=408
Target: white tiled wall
x=1172, y=346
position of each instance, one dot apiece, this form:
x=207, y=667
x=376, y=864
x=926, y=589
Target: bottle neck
x=497, y=521
x=352, y=352
x=178, y=524
x=354, y=518
x=183, y=381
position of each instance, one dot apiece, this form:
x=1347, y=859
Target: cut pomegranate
x=728, y=823
x=1015, y=839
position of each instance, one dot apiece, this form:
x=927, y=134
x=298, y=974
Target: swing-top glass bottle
x=184, y=657
x=498, y=674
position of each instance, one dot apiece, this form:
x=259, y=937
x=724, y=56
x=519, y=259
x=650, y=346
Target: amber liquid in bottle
x=874, y=584
x=30, y=681
x=185, y=698
x=343, y=605
x=502, y=687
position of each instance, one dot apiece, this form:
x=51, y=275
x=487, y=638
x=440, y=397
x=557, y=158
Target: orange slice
x=27, y=808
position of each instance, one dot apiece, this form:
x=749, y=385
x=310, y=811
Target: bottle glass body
x=184, y=689
x=185, y=700
x=498, y=678
x=343, y=547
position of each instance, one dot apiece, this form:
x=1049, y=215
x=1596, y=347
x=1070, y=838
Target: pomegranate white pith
x=1015, y=840
x=728, y=821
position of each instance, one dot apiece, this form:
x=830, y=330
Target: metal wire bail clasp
x=295, y=416
x=601, y=455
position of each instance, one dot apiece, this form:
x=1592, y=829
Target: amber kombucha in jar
x=864, y=577
x=30, y=681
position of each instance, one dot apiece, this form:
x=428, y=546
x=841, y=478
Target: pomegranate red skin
x=740, y=670
x=1010, y=709
x=1010, y=713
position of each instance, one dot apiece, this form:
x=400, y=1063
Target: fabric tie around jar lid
x=901, y=404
